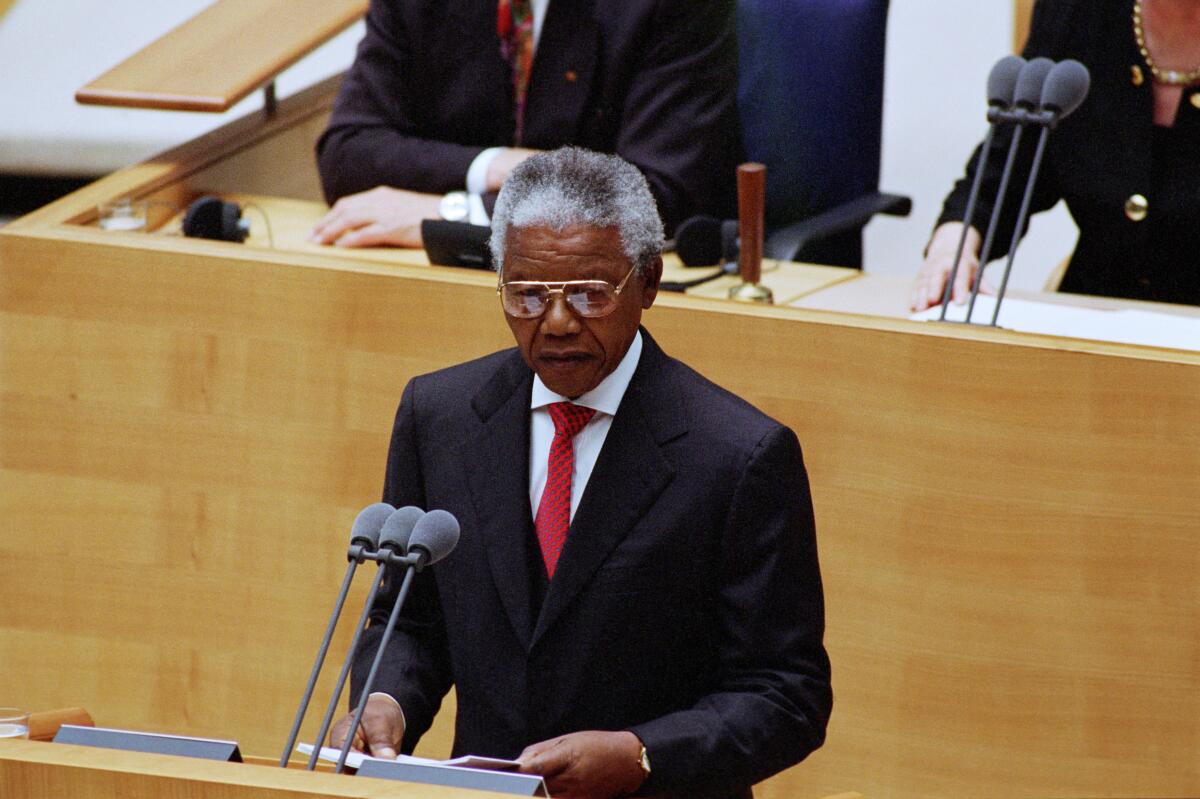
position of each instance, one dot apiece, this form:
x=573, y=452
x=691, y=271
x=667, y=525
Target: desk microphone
x=364, y=538
x=1026, y=97
x=1064, y=90
x=1001, y=83
x=433, y=538
x=393, y=540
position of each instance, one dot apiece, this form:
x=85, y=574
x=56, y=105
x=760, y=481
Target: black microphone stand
x=385, y=557
x=415, y=561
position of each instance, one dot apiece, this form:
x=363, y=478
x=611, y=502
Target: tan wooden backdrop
x=1008, y=524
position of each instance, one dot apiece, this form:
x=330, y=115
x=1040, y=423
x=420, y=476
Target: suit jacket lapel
x=628, y=477
x=564, y=70
x=497, y=468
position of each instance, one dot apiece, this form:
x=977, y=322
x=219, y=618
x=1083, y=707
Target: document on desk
x=1124, y=326
x=355, y=759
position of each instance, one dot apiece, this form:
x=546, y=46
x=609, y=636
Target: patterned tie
x=514, y=25
x=554, y=511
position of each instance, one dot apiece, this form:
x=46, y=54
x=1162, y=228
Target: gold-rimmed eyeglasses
x=529, y=299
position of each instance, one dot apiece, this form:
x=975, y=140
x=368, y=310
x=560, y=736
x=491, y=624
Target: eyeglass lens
x=586, y=298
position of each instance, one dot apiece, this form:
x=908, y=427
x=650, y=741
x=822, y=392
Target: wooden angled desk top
x=284, y=224
x=38, y=770
x=222, y=54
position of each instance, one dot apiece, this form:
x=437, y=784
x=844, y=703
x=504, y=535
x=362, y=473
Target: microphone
x=1065, y=87
x=706, y=241
x=1026, y=97
x=393, y=538
x=364, y=539
x=433, y=538
x=1001, y=83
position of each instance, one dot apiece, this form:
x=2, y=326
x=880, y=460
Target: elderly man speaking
x=635, y=604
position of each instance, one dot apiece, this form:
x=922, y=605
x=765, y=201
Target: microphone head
x=436, y=534
x=1028, y=93
x=698, y=241
x=398, y=528
x=1066, y=87
x=1002, y=80
x=368, y=523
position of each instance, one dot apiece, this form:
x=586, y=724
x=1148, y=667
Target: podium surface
x=37, y=770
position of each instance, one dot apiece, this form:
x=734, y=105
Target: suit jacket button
x=1195, y=100
x=1136, y=207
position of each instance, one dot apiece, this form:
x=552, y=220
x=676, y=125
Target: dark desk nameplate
x=455, y=777
x=203, y=748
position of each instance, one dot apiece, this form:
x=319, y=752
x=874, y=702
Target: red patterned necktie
x=554, y=511
x=514, y=25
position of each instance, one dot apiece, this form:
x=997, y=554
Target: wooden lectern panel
x=34, y=770
x=222, y=54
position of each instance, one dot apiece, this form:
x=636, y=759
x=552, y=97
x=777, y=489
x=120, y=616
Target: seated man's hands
x=382, y=216
x=930, y=282
x=587, y=765
x=381, y=730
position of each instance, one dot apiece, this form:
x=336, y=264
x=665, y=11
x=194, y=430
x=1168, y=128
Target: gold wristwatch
x=644, y=762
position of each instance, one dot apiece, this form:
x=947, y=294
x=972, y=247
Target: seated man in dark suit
x=444, y=98
x=635, y=603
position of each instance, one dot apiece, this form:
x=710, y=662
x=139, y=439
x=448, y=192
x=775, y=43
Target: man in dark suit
x=635, y=602
x=428, y=112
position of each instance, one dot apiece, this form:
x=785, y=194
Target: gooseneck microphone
x=364, y=539
x=1002, y=81
x=1065, y=88
x=1026, y=96
x=433, y=538
x=393, y=541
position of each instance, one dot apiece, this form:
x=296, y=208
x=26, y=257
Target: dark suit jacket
x=686, y=606
x=652, y=80
x=1100, y=156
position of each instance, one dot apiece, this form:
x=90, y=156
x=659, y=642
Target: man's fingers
x=333, y=227
x=544, y=758
x=366, y=236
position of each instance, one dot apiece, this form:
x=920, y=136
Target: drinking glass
x=14, y=722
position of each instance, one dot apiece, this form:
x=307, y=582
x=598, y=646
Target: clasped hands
x=581, y=765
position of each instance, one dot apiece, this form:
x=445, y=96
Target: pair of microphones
x=1038, y=93
x=406, y=537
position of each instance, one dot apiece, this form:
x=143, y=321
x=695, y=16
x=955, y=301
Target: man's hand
x=930, y=282
x=381, y=730
x=382, y=216
x=587, y=765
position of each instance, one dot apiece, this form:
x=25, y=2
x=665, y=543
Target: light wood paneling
x=222, y=54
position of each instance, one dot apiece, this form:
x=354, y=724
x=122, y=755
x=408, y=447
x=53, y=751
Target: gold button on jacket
x=1136, y=207
x=1195, y=100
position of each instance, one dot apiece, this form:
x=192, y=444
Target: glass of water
x=14, y=722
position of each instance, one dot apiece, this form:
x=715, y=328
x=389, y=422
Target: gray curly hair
x=573, y=186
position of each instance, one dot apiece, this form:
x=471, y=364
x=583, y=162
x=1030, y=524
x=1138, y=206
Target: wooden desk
x=187, y=429
x=221, y=55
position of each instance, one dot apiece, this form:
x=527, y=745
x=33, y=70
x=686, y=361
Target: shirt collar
x=607, y=396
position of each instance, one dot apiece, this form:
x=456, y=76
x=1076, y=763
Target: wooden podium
x=35, y=770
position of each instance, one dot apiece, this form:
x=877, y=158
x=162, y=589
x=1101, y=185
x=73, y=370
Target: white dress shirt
x=604, y=399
